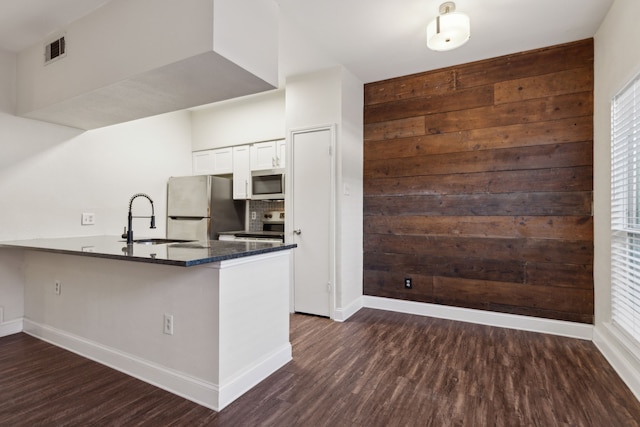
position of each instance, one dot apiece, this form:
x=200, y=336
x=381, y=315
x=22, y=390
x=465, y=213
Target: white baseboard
x=612, y=347
x=242, y=383
x=342, y=314
x=199, y=391
x=11, y=327
x=503, y=320
x=196, y=390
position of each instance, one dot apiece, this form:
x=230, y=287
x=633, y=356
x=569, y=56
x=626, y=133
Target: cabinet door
x=213, y=162
x=222, y=161
x=241, y=172
x=263, y=156
x=202, y=162
x=281, y=149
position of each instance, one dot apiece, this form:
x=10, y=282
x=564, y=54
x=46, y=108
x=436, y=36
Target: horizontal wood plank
x=573, y=129
x=515, y=249
x=529, y=111
x=510, y=204
x=563, y=275
x=526, y=64
x=542, y=227
x=578, y=178
x=472, y=268
x=418, y=85
x=412, y=107
x=557, y=227
x=457, y=290
x=391, y=285
x=394, y=129
x=536, y=157
x=560, y=83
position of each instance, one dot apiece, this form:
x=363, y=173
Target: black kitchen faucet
x=129, y=233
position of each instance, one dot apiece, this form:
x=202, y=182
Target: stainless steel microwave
x=267, y=184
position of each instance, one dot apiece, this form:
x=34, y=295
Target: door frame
x=289, y=186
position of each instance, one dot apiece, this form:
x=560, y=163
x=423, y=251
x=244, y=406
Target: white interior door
x=313, y=220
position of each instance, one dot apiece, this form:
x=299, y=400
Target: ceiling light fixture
x=449, y=30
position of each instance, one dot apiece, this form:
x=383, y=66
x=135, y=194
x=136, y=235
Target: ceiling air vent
x=55, y=50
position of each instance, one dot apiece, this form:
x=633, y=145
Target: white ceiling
x=380, y=39
x=375, y=39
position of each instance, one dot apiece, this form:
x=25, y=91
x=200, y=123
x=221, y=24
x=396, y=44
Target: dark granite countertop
x=180, y=254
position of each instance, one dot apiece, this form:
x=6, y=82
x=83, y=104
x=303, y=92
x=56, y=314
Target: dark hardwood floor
x=377, y=369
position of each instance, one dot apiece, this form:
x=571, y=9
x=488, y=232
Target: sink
x=157, y=241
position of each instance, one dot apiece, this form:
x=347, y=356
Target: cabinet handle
x=246, y=189
x=297, y=231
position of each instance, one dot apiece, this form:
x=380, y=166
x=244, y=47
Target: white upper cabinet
x=281, y=149
x=267, y=155
x=263, y=155
x=222, y=161
x=202, y=162
x=241, y=172
x=213, y=162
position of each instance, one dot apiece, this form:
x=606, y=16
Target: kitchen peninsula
x=204, y=320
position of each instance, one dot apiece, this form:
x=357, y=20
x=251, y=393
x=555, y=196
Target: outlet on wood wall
x=478, y=185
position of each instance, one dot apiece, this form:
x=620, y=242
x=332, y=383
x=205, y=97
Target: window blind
x=625, y=210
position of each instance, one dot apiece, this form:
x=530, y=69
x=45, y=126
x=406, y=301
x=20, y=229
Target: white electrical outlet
x=88, y=218
x=253, y=215
x=57, y=287
x=168, y=324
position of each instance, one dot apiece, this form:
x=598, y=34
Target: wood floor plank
x=377, y=369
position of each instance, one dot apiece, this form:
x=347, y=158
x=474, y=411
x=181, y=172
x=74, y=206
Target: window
x=625, y=210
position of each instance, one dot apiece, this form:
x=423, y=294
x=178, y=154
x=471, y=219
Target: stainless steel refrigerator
x=200, y=207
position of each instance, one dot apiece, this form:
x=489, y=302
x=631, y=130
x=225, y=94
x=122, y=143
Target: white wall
x=314, y=99
x=8, y=66
x=350, y=193
x=48, y=182
x=616, y=63
x=50, y=174
x=297, y=54
x=11, y=291
x=246, y=33
x=239, y=121
x=326, y=97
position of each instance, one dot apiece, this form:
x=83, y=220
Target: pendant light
x=448, y=30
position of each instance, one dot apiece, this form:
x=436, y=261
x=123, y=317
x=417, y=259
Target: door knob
x=297, y=231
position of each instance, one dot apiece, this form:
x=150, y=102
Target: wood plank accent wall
x=478, y=184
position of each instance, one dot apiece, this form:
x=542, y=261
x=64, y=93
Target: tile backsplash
x=260, y=207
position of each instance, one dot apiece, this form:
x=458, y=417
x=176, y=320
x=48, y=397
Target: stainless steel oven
x=272, y=230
